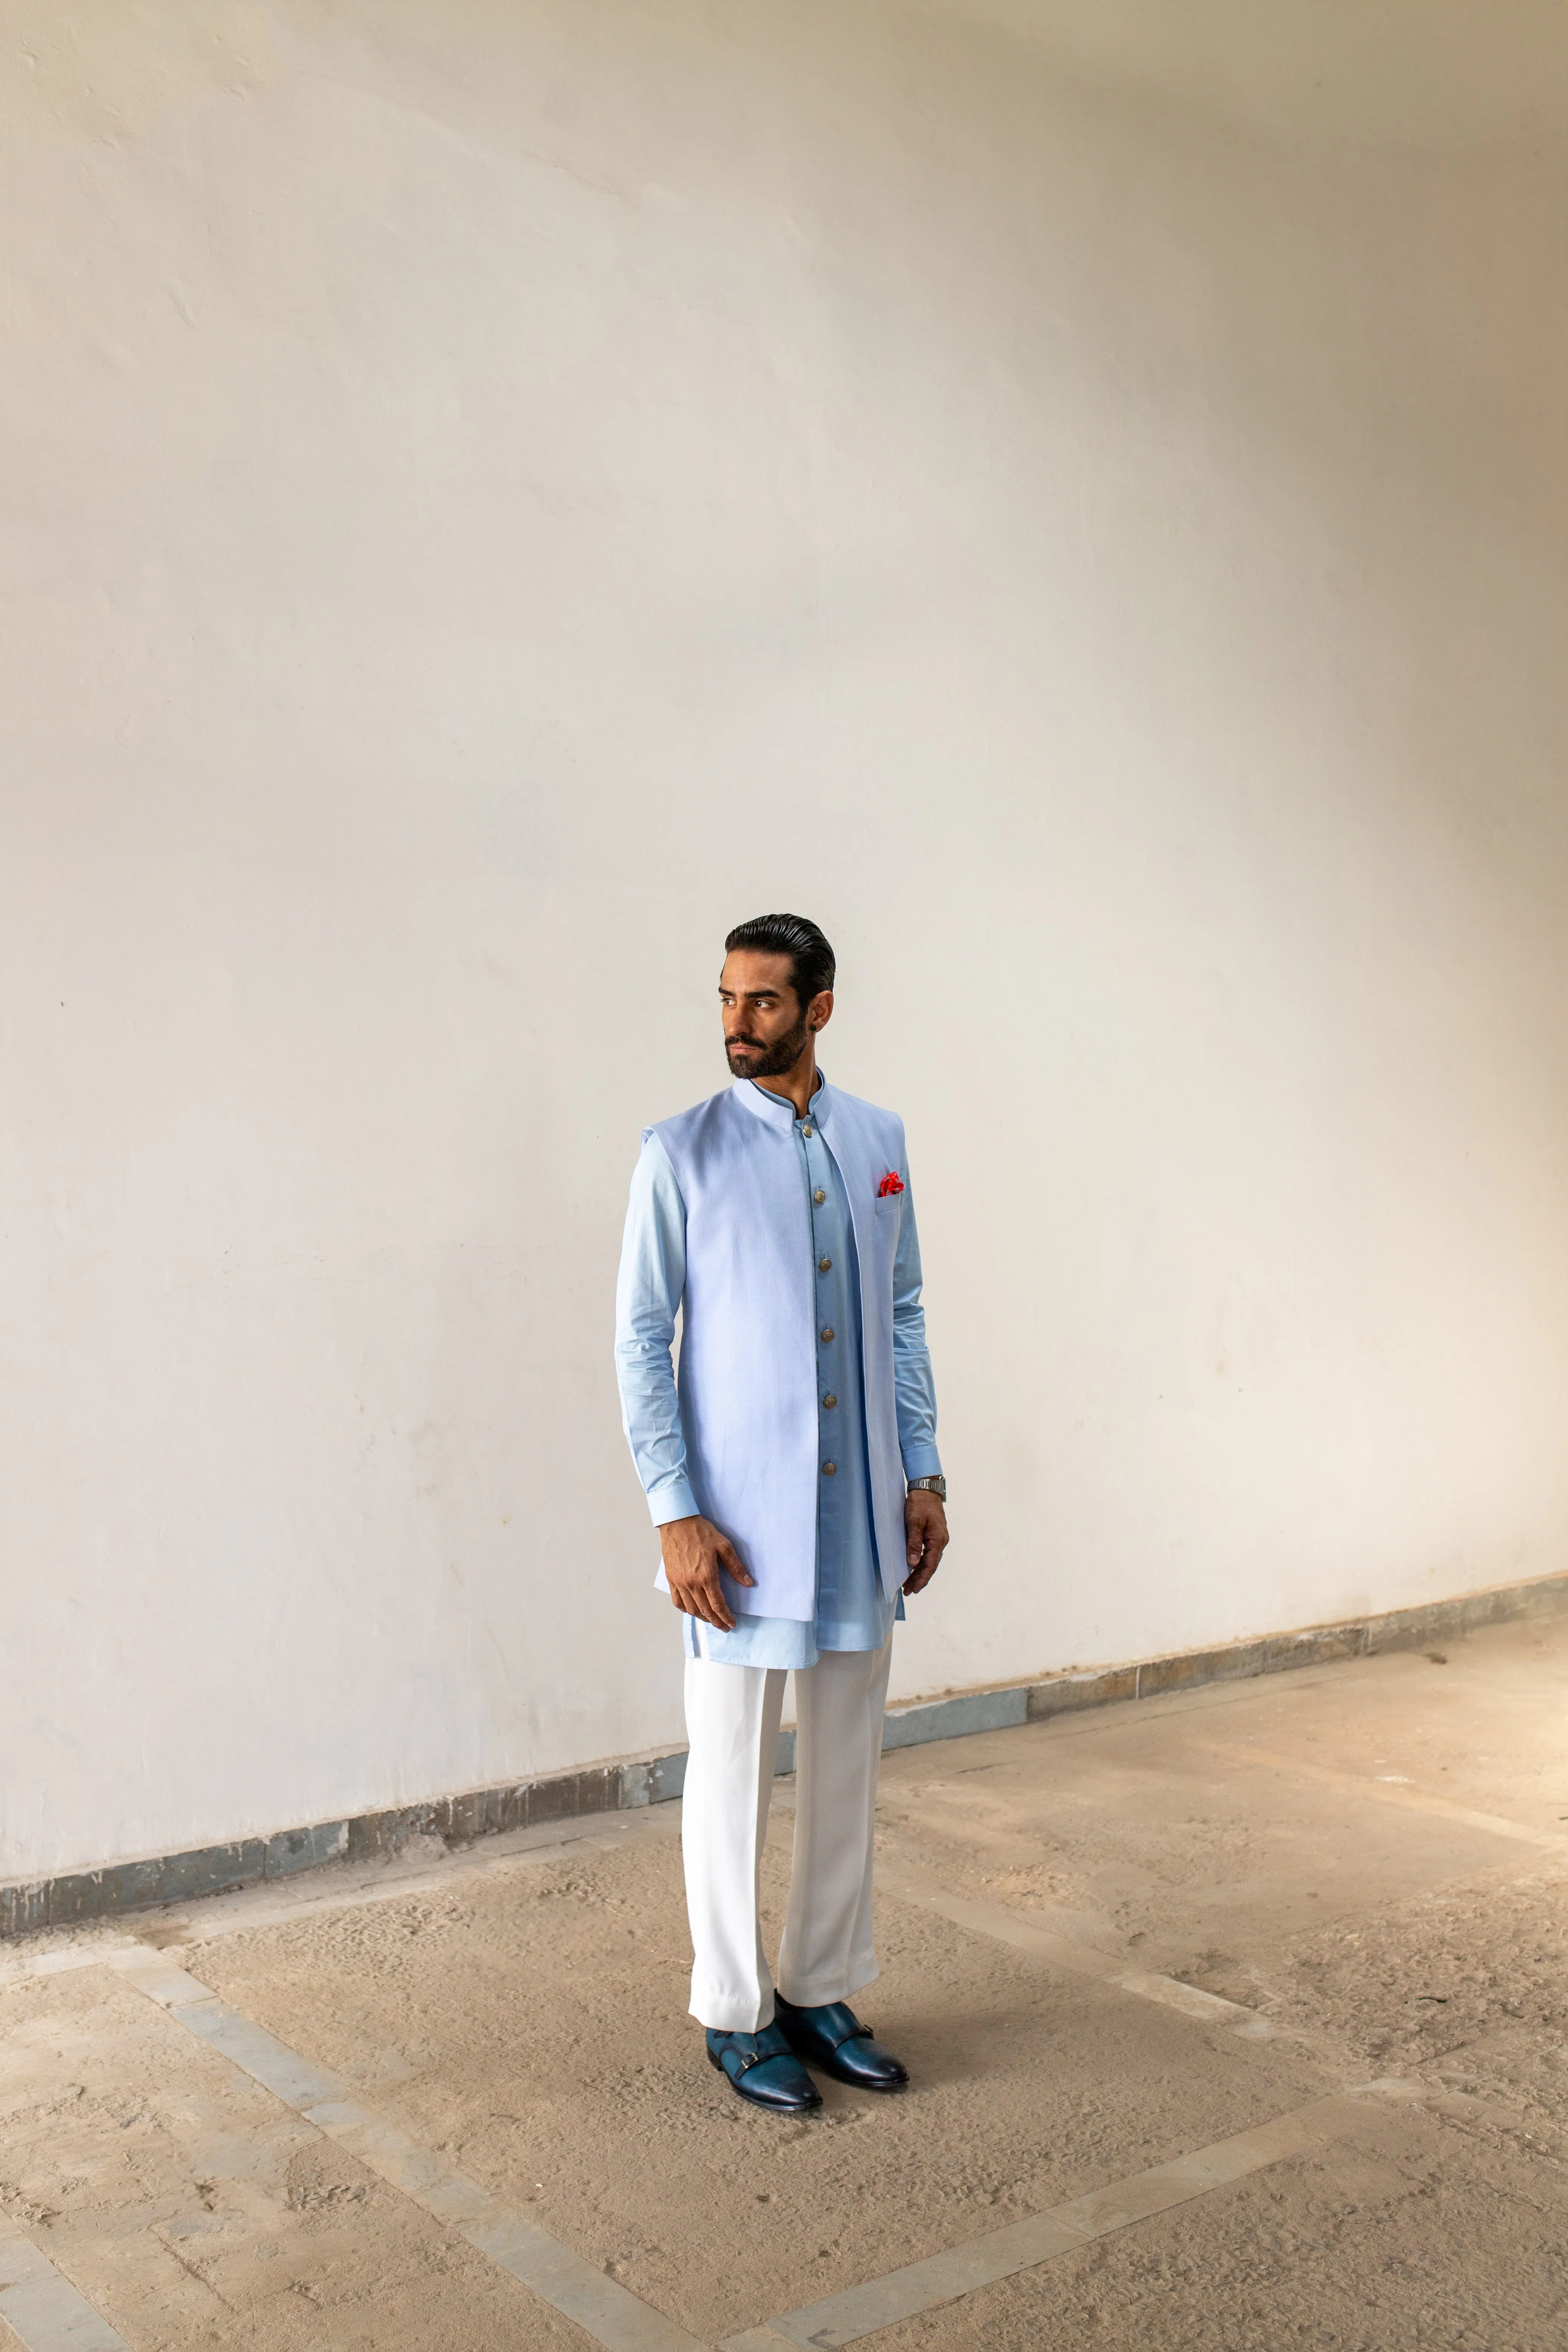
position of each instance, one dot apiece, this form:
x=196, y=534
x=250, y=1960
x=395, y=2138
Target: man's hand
x=693, y=1552
x=925, y=1535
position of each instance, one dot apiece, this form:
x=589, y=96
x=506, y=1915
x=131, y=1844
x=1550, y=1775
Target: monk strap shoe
x=764, y=2070
x=833, y=2038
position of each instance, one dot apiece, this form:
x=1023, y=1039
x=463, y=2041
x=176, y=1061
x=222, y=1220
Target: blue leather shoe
x=833, y=2038
x=762, y=2069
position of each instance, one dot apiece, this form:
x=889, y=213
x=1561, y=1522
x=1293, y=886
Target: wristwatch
x=937, y=1486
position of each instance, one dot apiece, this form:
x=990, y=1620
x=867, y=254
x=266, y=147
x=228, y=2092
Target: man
x=777, y=1217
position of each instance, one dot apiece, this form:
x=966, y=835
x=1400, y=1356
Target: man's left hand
x=925, y=1537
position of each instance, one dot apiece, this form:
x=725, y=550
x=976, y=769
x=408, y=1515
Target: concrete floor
x=1363, y=1868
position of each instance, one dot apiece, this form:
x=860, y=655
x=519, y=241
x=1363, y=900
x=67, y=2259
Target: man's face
x=766, y=1028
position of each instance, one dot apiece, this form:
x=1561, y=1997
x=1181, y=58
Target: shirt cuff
x=922, y=1462
x=674, y=1500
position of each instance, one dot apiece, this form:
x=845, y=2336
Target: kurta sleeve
x=914, y=1391
x=647, y=1297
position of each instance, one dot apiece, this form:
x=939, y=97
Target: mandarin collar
x=777, y=1109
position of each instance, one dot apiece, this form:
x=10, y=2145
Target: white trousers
x=732, y=1724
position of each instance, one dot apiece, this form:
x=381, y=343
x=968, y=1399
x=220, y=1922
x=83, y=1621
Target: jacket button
x=827, y=1330
x=824, y=1265
x=819, y=1196
x=830, y=1401
x=828, y=1468
x=806, y=1130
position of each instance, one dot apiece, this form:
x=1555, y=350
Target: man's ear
x=820, y=1012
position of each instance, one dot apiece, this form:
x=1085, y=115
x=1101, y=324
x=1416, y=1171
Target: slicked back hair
x=812, y=961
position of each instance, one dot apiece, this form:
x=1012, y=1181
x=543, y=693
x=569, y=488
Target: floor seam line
x=981, y=1917
x=44, y=2311
x=605, y=2310
x=1380, y=1793
x=1041, y=2237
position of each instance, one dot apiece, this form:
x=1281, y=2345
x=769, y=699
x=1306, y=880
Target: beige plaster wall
x=1071, y=495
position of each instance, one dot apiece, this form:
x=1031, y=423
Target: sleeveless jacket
x=748, y=1377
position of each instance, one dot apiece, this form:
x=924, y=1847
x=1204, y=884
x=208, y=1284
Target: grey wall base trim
x=651, y=1779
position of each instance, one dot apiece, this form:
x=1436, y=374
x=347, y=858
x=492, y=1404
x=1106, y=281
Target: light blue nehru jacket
x=773, y=1234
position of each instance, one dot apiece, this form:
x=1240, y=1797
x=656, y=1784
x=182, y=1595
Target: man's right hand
x=693, y=1552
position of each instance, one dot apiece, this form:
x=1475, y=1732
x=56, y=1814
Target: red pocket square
x=891, y=1182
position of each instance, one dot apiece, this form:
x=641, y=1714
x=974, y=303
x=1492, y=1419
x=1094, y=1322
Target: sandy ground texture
x=1371, y=1858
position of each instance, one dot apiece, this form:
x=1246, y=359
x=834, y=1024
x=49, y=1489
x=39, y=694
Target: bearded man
x=794, y=1477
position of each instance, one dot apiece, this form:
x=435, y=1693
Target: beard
x=774, y=1059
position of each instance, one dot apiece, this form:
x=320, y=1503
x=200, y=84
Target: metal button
x=830, y=1401
x=825, y=1266
x=828, y=1468
x=827, y=1330
x=819, y=1196
x=806, y=1130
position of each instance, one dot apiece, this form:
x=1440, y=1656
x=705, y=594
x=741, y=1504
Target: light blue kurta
x=851, y=1610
